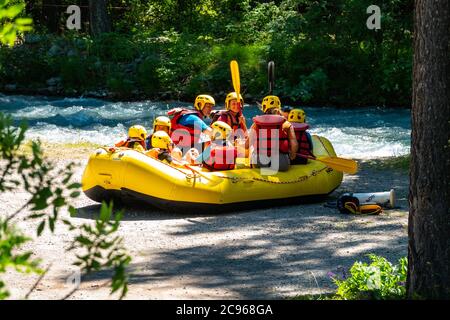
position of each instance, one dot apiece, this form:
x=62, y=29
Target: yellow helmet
x=161, y=140
x=137, y=132
x=162, y=121
x=297, y=115
x=221, y=130
x=270, y=102
x=200, y=101
x=232, y=96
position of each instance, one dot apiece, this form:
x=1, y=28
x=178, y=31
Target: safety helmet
x=201, y=100
x=297, y=115
x=162, y=121
x=270, y=102
x=232, y=96
x=137, y=132
x=221, y=130
x=161, y=140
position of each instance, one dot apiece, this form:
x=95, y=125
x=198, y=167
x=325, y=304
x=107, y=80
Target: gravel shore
x=268, y=253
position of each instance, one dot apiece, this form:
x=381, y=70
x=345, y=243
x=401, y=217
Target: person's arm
x=191, y=120
x=293, y=144
x=243, y=123
x=138, y=147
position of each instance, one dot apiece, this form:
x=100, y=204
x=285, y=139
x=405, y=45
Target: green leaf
x=105, y=212
x=74, y=185
x=72, y=211
x=41, y=228
x=75, y=194
x=23, y=21
x=12, y=11
x=83, y=240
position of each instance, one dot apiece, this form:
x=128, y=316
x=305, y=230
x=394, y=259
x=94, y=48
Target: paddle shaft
x=271, y=76
x=339, y=164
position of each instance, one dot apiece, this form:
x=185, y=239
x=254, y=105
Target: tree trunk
x=99, y=19
x=429, y=197
x=51, y=15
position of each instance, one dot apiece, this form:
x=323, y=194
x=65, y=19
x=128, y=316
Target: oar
x=271, y=76
x=235, y=78
x=338, y=164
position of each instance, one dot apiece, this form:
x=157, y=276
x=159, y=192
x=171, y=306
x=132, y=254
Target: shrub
x=379, y=280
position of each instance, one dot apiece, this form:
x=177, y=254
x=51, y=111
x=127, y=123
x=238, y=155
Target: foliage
x=11, y=240
x=101, y=248
x=378, y=280
x=11, y=23
x=51, y=190
x=391, y=163
x=323, y=52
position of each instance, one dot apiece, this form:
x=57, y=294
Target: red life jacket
x=129, y=143
x=304, y=144
x=231, y=120
x=263, y=128
x=219, y=158
x=182, y=136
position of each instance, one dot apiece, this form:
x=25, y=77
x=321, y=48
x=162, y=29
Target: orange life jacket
x=129, y=143
x=183, y=136
x=263, y=128
x=231, y=120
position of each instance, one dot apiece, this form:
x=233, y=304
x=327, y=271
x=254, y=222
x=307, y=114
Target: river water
x=361, y=133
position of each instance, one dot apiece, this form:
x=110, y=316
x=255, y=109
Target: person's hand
x=292, y=155
x=153, y=152
x=177, y=154
x=191, y=155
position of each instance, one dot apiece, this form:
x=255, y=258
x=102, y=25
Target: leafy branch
x=101, y=248
x=10, y=23
x=51, y=190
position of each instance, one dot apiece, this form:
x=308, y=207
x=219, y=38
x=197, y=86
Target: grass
x=390, y=163
x=61, y=151
x=323, y=296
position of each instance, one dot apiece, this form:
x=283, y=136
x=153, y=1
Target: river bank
x=257, y=254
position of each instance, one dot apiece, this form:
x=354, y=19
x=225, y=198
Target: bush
x=379, y=280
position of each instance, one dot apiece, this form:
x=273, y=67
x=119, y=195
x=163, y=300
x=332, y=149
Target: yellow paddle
x=235, y=77
x=336, y=163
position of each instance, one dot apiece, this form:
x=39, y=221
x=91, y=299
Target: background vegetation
x=323, y=51
x=96, y=246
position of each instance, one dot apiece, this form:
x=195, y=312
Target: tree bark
x=429, y=197
x=99, y=19
x=51, y=15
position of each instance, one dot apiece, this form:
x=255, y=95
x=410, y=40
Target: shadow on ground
x=269, y=253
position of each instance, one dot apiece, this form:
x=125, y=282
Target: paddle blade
x=340, y=164
x=235, y=76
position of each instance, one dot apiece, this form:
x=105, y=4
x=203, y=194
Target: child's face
x=162, y=128
x=235, y=106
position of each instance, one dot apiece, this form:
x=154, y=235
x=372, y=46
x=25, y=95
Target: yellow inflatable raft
x=128, y=175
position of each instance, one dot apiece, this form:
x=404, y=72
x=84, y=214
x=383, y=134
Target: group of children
x=185, y=139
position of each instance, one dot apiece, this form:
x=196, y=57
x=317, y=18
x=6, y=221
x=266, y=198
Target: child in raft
x=135, y=140
x=219, y=153
x=163, y=149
